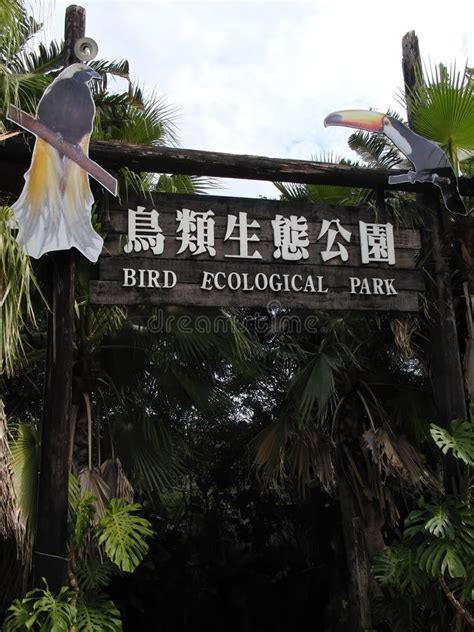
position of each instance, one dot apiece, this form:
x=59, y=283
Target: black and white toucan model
x=429, y=161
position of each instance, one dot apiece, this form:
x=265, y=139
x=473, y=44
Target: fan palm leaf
x=25, y=462
x=442, y=107
x=149, y=453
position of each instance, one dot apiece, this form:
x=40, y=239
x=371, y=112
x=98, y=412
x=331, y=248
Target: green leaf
x=438, y=557
x=123, y=534
x=453, y=563
x=440, y=524
x=397, y=567
x=315, y=384
x=17, y=283
x=148, y=451
x=74, y=496
x=94, y=573
x=442, y=107
x=85, y=512
x=25, y=461
x=99, y=614
x=460, y=441
x=52, y=614
x=415, y=523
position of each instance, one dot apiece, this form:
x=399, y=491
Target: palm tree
x=354, y=394
x=121, y=447
x=442, y=107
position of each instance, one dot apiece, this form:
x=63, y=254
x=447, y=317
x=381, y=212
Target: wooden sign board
x=206, y=250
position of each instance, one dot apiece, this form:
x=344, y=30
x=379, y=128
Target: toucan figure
x=53, y=210
x=429, y=161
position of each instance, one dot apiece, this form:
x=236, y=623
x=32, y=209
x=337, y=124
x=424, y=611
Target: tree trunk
x=357, y=557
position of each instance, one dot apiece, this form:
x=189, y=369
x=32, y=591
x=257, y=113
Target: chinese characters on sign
x=217, y=251
x=196, y=232
x=144, y=232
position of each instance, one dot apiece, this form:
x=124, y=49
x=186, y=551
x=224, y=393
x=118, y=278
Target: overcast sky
x=260, y=77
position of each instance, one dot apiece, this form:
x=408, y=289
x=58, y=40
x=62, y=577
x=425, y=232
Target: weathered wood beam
x=186, y=294
x=112, y=155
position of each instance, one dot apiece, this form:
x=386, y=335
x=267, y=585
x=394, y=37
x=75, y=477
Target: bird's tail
x=53, y=210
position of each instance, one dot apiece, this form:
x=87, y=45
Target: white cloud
x=259, y=77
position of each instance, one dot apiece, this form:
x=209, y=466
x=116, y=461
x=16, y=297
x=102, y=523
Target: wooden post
x=50, y=548
x=445, y=363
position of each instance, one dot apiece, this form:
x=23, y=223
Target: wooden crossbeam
x=116, y=155
x=24, y=120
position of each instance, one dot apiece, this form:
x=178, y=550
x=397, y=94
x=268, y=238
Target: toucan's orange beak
x=360, y=119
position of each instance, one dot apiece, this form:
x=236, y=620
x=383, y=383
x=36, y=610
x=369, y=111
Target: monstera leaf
x=443, y=536
x=97, y=615
x=123, y=534
x=94, y=573
x=41, y=610
x=460, y=441
x=397, y=566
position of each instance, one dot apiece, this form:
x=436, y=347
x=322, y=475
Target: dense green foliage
x=254, y=448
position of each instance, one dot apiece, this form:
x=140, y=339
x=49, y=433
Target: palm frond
x=185, y=184
x=292, y=192
x=151, y=120
x=117, y=68
x=90, y=480
x=42, y=60
x=376, y=150
x=25, y=462
x=12, y=523
x=314, y=385
x=148, y=452
x=443, y=109
x=21, y=89
x=284, y=451
x=310, y=459
x=17, y=282
x=17, y=28
x=115, y=477
x=142, y=184
x=395, y=456
x=322, y=193
x=269, y=448
x=105, y=320
x=132, y=118
x=74, y=496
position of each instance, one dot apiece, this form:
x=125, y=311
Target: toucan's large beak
x=360, y=119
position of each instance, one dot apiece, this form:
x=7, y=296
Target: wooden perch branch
x=36, y=127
